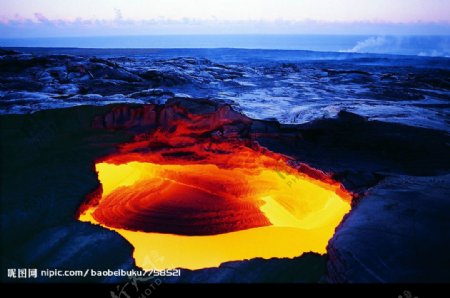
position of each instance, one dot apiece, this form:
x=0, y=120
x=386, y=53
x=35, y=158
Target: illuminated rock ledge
x=196, y=191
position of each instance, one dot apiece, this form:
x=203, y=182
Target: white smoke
x=370, y=45
x=434, y=46
x=433, y=53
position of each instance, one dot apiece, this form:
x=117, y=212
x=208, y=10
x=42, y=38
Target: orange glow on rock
x=188, y=201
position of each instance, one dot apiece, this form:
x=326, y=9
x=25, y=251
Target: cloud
x=41, y=18
x=3, y=20
x=42, y=26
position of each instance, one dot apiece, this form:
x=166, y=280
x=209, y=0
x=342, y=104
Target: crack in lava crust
x=185, y=198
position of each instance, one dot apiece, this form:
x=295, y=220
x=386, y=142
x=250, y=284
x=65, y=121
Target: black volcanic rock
x=47, y=169
x=19, y=63
x=76, y=246
x=159, y=78
x=4, y=52
x=308, y=268
x=398, y=233
x=353, y=144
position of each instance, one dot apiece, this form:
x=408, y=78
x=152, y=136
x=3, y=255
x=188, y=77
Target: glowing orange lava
x=199, y=202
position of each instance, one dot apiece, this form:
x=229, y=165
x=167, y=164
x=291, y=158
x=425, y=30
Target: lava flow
x=196, y=192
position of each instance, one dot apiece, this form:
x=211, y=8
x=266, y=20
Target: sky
x=55, y=18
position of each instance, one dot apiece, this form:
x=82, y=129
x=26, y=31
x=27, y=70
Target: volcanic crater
x=199, y=190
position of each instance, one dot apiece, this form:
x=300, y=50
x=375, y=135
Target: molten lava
x=185, y=198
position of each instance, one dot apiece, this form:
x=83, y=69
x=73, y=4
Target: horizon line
x=232, y=34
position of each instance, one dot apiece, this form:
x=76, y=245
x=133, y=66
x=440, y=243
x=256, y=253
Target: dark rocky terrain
x=290, y=86
x=396, y=231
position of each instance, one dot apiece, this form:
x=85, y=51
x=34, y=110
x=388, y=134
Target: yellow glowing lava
x=303, y=212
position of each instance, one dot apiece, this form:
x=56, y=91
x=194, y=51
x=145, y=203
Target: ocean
x=435, y=46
